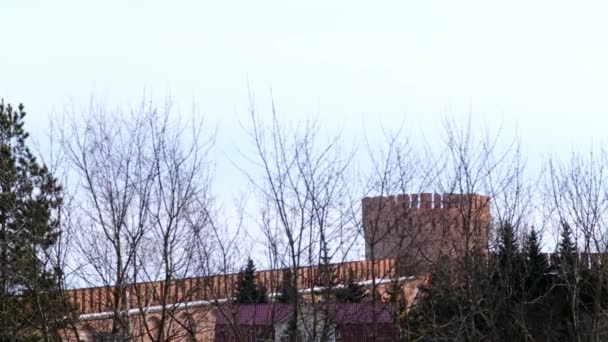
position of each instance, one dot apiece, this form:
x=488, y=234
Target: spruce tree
x=565, y=295
x=566, y=248
x=327, y=275
x=506, y=294
x=509, y=266
x=508, y=250
x=30, y=197
x=536, y=265
x=247, y=291
x=351, y=292
x=437, y=314
x=288, y=292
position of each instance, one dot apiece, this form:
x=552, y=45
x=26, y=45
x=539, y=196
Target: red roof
x=339, y=313
x=359, y=313
x=253, y=314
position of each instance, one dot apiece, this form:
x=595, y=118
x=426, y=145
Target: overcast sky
x=542, y=63
x=539, y=65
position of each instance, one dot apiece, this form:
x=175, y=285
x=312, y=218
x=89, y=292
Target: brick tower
x=416, y=229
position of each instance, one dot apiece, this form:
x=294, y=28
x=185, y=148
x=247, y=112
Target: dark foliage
x=288, y=292
x=535, y=267
x=351, y=292
x=31, y=304
x=566, y=250
x=247, y=291
x=515, y=295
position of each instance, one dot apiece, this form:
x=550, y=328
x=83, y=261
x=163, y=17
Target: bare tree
x=145, y=210
x=485, y=188
x=576, y=194
x=387, y=227
x=302, y=180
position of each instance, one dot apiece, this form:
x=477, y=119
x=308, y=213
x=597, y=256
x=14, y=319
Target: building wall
x=181, y=325
x=415, y=229
x=307, y=319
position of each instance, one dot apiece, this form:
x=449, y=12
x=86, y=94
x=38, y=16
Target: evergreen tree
x=508, y=249
x=510, y=263
x=565, y=295
x=352, y=292
x=30, y=197
x=398, y=302
x=327, y=275
x=566, y=248
x=246, y=289
x=506, y=294
x=437, y=315
x=288, y=292
x=537, y=307
x=536, y=266
x=262, y=294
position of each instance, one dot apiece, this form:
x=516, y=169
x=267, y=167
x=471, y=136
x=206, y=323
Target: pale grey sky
x=540, y=65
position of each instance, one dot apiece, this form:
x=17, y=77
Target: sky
x=536, y=66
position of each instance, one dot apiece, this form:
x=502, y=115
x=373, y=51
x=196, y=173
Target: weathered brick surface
x=416, y=229
x=100, y=299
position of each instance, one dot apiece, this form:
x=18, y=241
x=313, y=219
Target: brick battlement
x=416, y=229
x=428, y=201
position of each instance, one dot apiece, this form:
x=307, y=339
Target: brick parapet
x=416, y=228
x=427, y=201
x=101, y=299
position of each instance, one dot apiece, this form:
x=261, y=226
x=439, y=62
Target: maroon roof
x=359, y=313
x=253, y=314
x=339, y=313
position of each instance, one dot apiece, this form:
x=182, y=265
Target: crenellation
x=424, y=201
x=432, y=224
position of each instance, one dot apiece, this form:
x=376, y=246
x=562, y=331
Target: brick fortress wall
x=416, y=229
x=100, y=299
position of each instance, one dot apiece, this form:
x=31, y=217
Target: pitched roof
x=359, y=313
x=253, y=314
x=339, y=313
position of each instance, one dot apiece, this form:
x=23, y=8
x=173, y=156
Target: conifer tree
x=287, y=292
x=566, y=248
x=437, y=314
x=509, y=261
x=327, y=275
x=536, y=265
x=30, y=198
x=352, y=292
x=508, y=283
x=508, y=250
x=247, y=291
x=565, y=299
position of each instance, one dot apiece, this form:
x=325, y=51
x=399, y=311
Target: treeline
x=516, y=293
